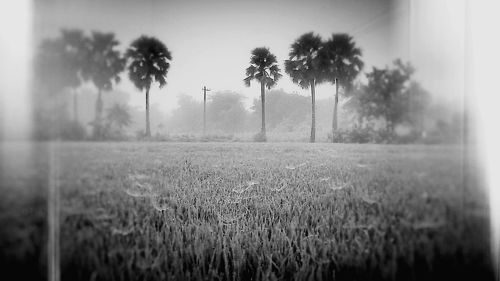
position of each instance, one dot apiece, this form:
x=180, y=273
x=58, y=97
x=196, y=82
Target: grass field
x=243, y=211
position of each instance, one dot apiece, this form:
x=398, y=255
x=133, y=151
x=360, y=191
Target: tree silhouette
x=76, y=52
x=149, y=62
x=263, y=68
x=119, y=115
x=282, y=108
x=389, y=95
x=50, y=69
x=60, y=61
x=104, y=64
x=58, y=65
x=341, y=61
x=304, y=68
x=226, y=112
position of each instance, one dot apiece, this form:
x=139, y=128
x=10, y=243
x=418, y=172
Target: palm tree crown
x=104, y=62
x=303, y=65
x=340, y=59
x=263, y=68
x=149, y=62
x=60, y=61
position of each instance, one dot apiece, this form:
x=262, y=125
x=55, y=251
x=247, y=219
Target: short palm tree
x=149, y=62
x=341, y=61
x=305, y=69
x=263, y=68
x=104, y=64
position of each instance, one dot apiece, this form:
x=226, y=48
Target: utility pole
x=205, y=109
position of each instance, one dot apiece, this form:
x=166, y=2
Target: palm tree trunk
x=148, y=129
x=263, y=100
x=75, y=106
x=334, y=123
x=313, y=112
x=98, y=106
x=98, y=115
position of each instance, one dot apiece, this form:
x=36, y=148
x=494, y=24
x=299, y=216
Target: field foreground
x=242, y=211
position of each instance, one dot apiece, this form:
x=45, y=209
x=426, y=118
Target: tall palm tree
x=51, y=69
x=341, y=61
x=60, y=60
x=75, y=50
x=305, y=69
x=149, y=62
x=104, y=64
x=58, y=65
x=263, y=68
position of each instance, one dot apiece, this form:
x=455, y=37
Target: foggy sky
x=211, y=41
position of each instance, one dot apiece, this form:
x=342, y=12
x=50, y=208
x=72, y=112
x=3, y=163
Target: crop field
x=243, y=211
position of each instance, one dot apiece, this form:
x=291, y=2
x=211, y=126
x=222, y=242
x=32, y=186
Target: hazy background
x=211, y=40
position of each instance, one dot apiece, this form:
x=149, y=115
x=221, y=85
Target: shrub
x=259, y=137
x=140, y=134
x=383, y=136
x=339, y=136
x=360, y=135
x=355, y=135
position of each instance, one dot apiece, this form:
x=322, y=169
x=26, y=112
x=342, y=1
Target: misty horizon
x=207, y=51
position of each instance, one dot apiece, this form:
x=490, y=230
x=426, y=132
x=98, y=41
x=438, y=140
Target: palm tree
x=341, y=61
x=104, y=64
x=149, y=62
x=75, y=49
x=305, y=69
x=263, y=68
x=58, y=65
x=51, y=71
x=59, y=61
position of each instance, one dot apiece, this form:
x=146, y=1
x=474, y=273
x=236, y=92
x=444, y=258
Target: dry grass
x=243, y=211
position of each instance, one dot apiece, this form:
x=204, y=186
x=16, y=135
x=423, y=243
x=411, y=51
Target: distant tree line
x=389, y=98
x=287, y=114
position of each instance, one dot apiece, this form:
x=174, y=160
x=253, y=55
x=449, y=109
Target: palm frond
x=247, y=80
x=149, y=61
x=341, y=59
x=263, y=64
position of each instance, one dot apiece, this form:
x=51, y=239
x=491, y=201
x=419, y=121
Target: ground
x=247, y=211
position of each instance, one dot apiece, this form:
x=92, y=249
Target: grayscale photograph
x=245, y=140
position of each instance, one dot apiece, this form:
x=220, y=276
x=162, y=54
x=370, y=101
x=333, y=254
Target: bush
x=216, y=138
x=339, y=136
x=140, y=134
x=383, y=136
x=355, y=135
x=259, y=137
x=360, y=135
x=369, y=135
